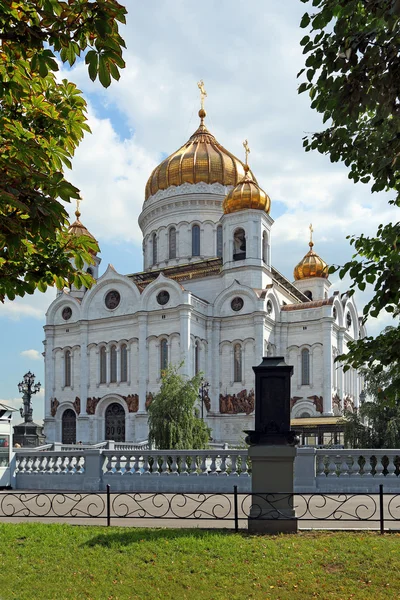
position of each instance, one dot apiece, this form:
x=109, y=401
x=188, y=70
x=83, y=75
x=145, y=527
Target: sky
x=248, y=54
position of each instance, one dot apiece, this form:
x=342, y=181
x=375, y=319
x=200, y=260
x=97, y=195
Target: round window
x=66, y=313
x=269, y=307
x=112, y=299
x=163, y=297
x=237, y=304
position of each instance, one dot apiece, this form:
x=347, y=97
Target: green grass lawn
x=62, y=562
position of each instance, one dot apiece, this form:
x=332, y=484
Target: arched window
x=163, y=355
x=103, y=365
x=219, y=241
x=67, y=367
x=195, y=240
x=154, y=248
x=124, y=363
x=265, y=248
x=172, y=243
x=113, y=364
x=308, y=293
x=237, y=362
x=196, y=358
x=305, y=367
x=239, y=244
x=68, y=427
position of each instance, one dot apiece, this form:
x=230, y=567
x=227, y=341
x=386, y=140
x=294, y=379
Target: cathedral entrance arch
x=115, y=423
x=68, y=427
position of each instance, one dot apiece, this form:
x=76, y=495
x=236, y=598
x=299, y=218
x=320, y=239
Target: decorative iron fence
x=316, y=511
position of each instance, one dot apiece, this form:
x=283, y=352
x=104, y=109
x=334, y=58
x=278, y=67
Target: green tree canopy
x=42, y=121
x=174, y=422
x=352, y=76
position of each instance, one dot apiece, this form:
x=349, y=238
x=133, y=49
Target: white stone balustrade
x=133, y=469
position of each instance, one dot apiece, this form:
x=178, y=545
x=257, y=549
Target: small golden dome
x=311, y=265
x=246, y=194
x=77, y=228
x=201, y=159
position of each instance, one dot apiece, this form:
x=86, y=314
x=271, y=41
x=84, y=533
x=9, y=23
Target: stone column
x=118, y=364
x=84, y=367
x=327, y=366
x=49, y=370
x=143, y=362
x=259, y=337
x=340, y=374
x=185, y=341
x=215, y=366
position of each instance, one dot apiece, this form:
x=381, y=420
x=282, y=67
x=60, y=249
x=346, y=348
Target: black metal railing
x=315, y=510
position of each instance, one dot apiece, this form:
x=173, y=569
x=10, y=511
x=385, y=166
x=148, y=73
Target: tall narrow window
x=124, y=363
x=239, y=244
x=113, y=364
x=163, y=355
x=103, y=365
x=196, y=358
x=154, y=248
x=265, y=247
x=195, y=240
x=219, y=241
x=172, y=243
x=305, y=367
x=67, y=367
x=237, y=362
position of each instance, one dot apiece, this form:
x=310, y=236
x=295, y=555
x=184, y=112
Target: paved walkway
x=328, y=511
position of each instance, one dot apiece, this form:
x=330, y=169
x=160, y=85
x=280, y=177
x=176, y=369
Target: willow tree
x=174, y=422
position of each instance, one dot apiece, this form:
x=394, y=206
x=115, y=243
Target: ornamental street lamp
x=28, y=388
x=203, y=394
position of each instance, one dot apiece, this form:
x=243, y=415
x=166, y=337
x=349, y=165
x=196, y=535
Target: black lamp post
x=28, y=388
x=203, y=393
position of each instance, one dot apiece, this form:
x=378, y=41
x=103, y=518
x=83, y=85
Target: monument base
x=272, y=490
x=28, y=435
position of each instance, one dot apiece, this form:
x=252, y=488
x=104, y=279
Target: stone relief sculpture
x=91, y=405
x=348, y=404
x=54, y=404
x=233, y=404
x=294, y=400
x=336, y=405
x=77, y=405
x=318, y=403
x=132, y=401
x=149, y=399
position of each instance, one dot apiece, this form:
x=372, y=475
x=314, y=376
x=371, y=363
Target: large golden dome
x=246, y=194
x=311, y=265
x=201, y=159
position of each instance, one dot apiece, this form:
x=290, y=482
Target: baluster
x=184, y=465
x=156, y=466
x=367, y=467
x=213, y=465
x=164, y=465
x=21, y=463
x=353, y=466
x=174, y=465
x=109, y=464
x=64, y=464
x=117, y=466
x=193, y=465
x=128, y=465
x=344, y=467
x=49, y=465
x=203, y=465
x=391, y=468
x=243, y=465
x=78, y=465
x=379, y=466
x=234, y=464
x=146, y=465
x=332, y=467
x=321, y=464
x=34, y=464
x=222, y=467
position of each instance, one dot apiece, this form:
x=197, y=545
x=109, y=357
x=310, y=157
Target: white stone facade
x=102, y=357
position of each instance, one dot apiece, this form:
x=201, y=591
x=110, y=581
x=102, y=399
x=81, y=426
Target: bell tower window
x=195, y=240
x=172, y=243
x=239, y=244
x=219, y=241
x=154, y=248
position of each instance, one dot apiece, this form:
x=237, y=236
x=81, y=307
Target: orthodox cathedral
x=208, y=297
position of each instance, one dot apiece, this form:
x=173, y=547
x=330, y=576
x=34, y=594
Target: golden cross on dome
x=78, y=202
x=246, y=149
x=203, y=93
x=311, y=232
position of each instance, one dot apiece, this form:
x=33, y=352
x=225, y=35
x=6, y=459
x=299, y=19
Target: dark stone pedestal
x=28, y=435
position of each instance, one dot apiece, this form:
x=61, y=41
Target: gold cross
x=203, y=93
x=246, y=149
x=78, y=202
x=311, y=231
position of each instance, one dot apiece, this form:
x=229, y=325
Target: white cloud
x=32, y=354
x=34, y=306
